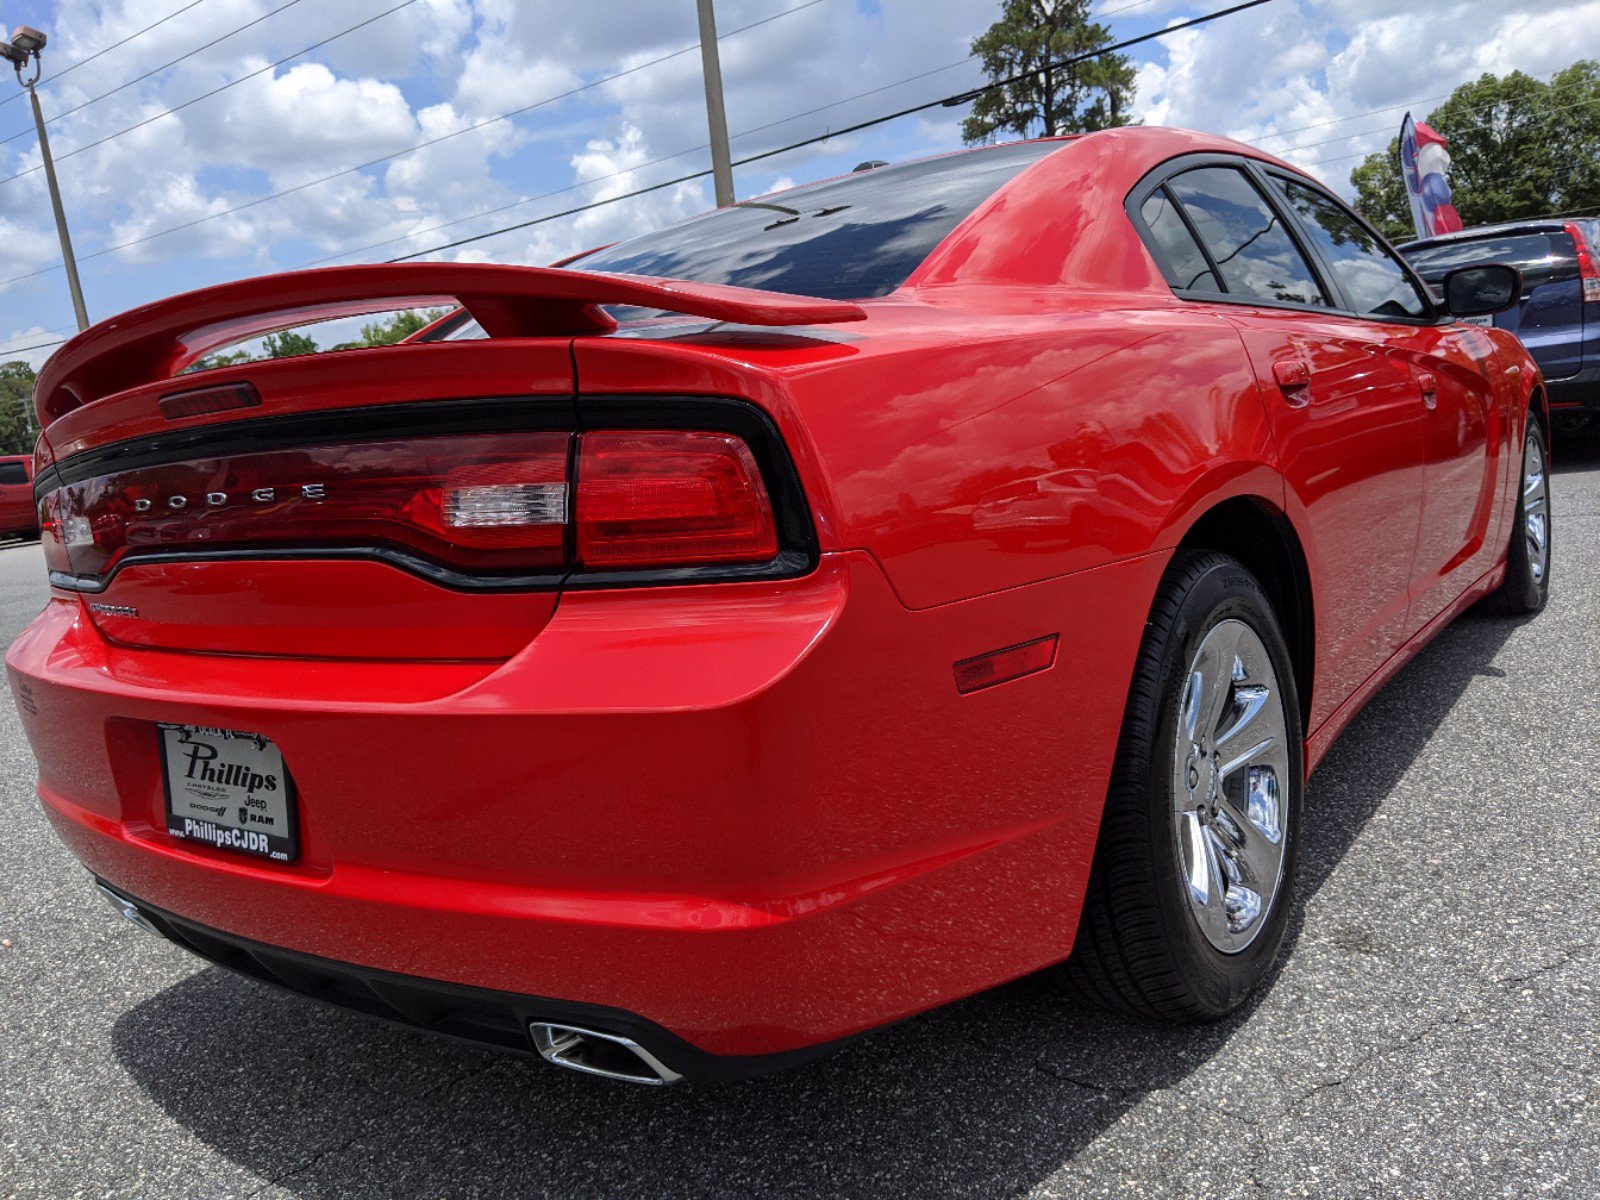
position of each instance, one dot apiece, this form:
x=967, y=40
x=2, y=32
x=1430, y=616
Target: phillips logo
x=203, y=765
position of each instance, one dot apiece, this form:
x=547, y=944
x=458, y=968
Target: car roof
x=1530, y=225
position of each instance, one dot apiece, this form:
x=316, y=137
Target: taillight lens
x=486, y=504
x=482, y=502
x=670, y=498
x=1588, y=269
x=51, y=538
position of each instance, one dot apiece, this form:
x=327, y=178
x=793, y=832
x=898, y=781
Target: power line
x=947, y=101
x=489, y=212
x=558, y=191
x=121, y=87
x=582, y=183
x=67, y=70
x=39, y=346
x=58, y=329
x=1391, y=108
x=1461, y=129
x=408, y=150
x=1541, y=104
x=224, y=87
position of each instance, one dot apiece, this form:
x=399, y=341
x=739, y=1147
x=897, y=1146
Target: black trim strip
x=798, y=553
x=431, y=571
x=481, y=1016
x=492, y=414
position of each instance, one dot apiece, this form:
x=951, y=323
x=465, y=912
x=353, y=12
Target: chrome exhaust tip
x=129, y=910
x=608, y=1055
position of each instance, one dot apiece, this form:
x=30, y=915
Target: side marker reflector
x=1002, y=666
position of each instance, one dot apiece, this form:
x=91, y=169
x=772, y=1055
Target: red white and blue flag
x=1425, y=166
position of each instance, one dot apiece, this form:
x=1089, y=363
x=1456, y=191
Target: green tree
x=17, y=428
x=1519, y=147
x=288, y=344
x=399, y=326
x=212, y=361
x=1076, y=98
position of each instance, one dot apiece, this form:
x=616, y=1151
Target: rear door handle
x=1294, y=380
x=1430, y=388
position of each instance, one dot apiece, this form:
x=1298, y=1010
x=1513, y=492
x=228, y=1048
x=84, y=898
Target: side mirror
x=1479, y=291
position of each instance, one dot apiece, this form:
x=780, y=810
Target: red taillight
x=492, y=503
x=1588, y=269
x=480, y=504
x=657, y=499
x=51, y=539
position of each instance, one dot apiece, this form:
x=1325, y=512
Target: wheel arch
x=1539, y=408
x=1263, y=538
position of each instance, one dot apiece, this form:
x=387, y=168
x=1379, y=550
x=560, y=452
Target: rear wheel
x=1189, y=894
x=1527, y=582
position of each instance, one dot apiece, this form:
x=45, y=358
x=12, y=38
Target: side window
x=1184, y=260
x=1247, y=241
x=1374, y=282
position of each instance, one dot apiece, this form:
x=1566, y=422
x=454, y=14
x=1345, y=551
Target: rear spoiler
x=157, y=341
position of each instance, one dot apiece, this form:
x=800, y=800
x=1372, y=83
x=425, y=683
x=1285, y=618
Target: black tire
x=1140, y=946
x=1526, y=588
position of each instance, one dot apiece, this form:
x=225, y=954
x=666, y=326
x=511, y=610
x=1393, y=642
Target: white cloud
x=438, y=66
x=302, y=123
x=617, y=163
x=15, y=346
x=1274, y=71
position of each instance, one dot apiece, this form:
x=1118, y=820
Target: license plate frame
x=244, y=802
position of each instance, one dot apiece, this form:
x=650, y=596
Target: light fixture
x=28, y=39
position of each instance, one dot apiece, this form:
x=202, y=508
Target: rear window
x=13, y=472
x=843, y=240
x=1544, y=257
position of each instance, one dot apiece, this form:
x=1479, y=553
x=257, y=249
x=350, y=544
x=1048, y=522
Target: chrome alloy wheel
x=1535, y=509
x=1230, y=786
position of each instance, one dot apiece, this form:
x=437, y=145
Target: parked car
x=939, y=573
x=19, y=517
x=1558, y=317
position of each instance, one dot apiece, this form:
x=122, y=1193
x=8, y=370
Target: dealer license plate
x=230, y=790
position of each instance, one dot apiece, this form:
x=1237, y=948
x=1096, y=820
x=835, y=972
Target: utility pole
x=28, y=44
x=716, y=116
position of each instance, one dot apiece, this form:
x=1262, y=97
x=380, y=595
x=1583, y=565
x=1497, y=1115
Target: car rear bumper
x=480, y=1016
x=758, y=817
x=1578, y=393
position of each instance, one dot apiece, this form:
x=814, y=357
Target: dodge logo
x=264, y=495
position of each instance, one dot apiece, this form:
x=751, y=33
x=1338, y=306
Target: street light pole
x=716, y=117
x=29, y=43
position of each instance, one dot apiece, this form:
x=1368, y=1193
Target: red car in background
x=779, y=624
x=19, y=515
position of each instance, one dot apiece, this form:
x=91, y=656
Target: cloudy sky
x=478, y=114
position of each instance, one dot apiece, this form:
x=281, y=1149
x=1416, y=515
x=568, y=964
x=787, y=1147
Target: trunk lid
x=187, y=506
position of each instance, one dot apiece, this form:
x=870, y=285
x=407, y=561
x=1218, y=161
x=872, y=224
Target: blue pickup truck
x=1559, y=316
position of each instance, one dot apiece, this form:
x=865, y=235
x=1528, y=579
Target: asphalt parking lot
x=1433, y=1034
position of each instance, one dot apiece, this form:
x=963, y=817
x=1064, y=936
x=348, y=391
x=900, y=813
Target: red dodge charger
x=759, y=631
